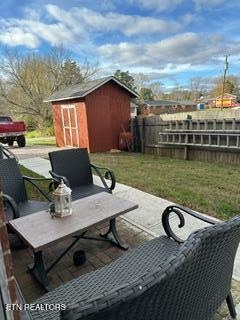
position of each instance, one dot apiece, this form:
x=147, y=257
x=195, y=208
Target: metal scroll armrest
x=107, y=175
x=12, y=204
x=178, y=210
x=57, y=179
x=8, y=153
x=32, y=180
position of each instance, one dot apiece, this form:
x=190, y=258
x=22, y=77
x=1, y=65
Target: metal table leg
x=77, y=238
x=113, y=236
x=39, y=272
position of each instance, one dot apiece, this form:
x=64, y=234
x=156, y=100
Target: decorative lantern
x=62, y=200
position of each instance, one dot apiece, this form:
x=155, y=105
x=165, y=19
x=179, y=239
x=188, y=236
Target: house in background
x=166, y=106
x=209, y=102
x=228, y=100
x=92, y=114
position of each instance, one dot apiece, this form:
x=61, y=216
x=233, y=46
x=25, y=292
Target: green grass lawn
x=210, y=188
x=32, y=192
x=47, y=141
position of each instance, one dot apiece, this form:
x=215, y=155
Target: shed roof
x=81, y=90
x=227, y=95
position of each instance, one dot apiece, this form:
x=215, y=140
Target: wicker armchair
x=74, y=167
x=6, y=153
x=163, y=279
x=14, y=191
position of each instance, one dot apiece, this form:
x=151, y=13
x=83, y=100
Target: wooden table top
x=40, y=230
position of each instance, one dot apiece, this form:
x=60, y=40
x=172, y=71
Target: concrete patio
x=135, y=227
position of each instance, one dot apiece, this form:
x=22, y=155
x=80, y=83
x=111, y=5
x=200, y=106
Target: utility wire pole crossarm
x=224, y=78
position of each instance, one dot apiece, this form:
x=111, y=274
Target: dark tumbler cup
x=79, y=257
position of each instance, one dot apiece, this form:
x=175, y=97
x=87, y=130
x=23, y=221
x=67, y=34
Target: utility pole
x=224, y=77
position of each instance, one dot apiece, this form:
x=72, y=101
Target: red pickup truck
x=11, y=131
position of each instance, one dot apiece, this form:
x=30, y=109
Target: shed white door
x=70, y=125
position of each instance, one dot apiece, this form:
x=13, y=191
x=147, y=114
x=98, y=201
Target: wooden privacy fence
x=214, y=140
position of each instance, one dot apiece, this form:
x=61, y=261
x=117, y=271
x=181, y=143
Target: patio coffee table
x=39, y=230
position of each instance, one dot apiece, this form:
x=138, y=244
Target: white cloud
x=31, y=32
x=107, y=5
x=159, y=5
x=32, y=14
x=208, y=3
x=130, y=25
x=155, y=53
x=52, y=33
x=15, y=36
x=77, y=25
x=79, y=28
x=174, y=54
x=188, y=18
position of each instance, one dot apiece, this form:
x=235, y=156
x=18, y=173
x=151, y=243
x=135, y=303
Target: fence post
x=143, y=135
x=136, y=135
x=186, y=153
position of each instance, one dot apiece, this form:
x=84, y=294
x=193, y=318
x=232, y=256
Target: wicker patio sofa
x=163, y=279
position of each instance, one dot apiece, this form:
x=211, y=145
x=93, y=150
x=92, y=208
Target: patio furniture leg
x=77, y=238
x=231, y=306
x=39, y=272
x=113, y=236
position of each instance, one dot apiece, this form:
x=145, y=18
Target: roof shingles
x=80, y=90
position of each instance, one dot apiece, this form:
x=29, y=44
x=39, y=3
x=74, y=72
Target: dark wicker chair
x=6, y=153
x=163, y=279
x=74, y=167
x=14, y=191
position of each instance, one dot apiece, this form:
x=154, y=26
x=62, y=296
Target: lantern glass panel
x=62, y=200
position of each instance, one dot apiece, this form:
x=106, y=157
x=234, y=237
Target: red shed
x=91, y=114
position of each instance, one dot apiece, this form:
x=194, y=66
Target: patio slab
x=33, y=151
x=98, y=254
x=148, y=216
x=135, y=227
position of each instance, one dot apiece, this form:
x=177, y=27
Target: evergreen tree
x=146, y=94
x=71, y=73
x=126, y=78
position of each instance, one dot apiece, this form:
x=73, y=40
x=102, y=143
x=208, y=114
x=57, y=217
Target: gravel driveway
x=33, y=151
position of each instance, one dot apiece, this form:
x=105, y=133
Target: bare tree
x=141, y=80
x=157, y=89
x=197, y=87
x=232, y=85
x=27, y=79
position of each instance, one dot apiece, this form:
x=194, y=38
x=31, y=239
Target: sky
x=171, y=41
